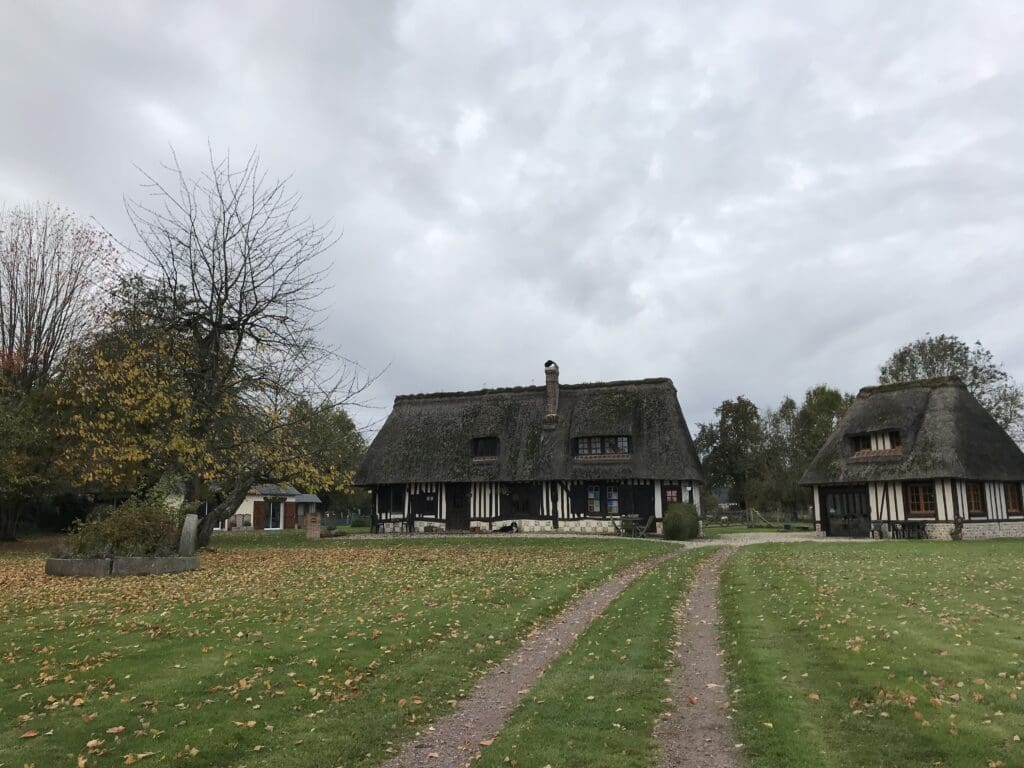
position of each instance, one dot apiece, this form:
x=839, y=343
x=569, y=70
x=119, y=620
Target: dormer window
x=484, y=448
x=615, y=445
x=860, y=443
x=883, y=442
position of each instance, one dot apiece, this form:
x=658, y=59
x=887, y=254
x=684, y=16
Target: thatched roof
x=427, y=438
x=945, y=433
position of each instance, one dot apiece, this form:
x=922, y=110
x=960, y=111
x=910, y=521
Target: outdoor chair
x=630, y=525
x=648, y=529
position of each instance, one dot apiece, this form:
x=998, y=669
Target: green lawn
x=274, y=653
x=596, y=706
x=903, y=653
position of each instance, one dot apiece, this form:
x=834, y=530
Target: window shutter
x=259, y=515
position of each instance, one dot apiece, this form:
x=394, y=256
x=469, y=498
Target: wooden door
x=846, y=511
x=643, y=500
x=457, y=504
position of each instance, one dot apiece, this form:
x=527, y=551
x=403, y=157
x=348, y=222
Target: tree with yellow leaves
x=211, y=368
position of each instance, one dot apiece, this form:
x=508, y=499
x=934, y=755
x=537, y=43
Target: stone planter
x=143, y=566
x=68, y=566
x=120, y=566
x=185, y=560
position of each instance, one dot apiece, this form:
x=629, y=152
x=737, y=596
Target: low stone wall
x=994, y=529
x=67, y=566
x=144, y=566
x=119, y=566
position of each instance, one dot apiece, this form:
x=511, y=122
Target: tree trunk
x=223, y=511
x=10, y=515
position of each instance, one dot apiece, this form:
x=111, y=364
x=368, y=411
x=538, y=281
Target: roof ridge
x=932, y=383
x=945, y=432
x=522, y=390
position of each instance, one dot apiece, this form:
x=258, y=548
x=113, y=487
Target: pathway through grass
x=597, y=704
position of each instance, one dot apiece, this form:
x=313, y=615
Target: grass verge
x=904, y=653
x=597, y=704
x=272, y=656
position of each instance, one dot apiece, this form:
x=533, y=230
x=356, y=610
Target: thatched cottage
x=922, y=458
x=577, y=457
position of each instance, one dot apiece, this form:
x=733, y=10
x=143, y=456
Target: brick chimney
x=551, y=385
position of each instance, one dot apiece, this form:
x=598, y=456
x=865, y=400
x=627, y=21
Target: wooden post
x=313, y=523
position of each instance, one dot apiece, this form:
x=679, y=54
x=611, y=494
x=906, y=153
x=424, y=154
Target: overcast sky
x=747, y=197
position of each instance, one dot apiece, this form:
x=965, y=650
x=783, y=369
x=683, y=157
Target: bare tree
x=54, y=271
x=230, y=266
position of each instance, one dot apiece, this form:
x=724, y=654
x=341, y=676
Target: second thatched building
x=918, y=459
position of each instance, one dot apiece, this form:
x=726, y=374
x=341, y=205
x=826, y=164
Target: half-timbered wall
x=383, y=507
x=555, y=494
x=426, y=502
x=888, y=503
x=485, y=501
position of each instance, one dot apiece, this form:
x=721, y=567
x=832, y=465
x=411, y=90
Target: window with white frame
x=275, y=515
x=612, y=494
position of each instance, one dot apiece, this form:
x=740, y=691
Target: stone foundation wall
x=525, y=526
x=567, y=526
x=430, y=526
x=995, y=529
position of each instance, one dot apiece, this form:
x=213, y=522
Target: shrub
x=148, y=526
x=681, y=522
x=360, y=521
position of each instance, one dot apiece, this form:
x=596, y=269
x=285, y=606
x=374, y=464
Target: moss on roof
x=427, y=438
x=945, y=433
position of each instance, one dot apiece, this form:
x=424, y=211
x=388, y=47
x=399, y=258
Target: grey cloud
x=747, y=197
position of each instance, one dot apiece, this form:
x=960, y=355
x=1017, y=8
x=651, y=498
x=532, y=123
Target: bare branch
x=55, y=272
